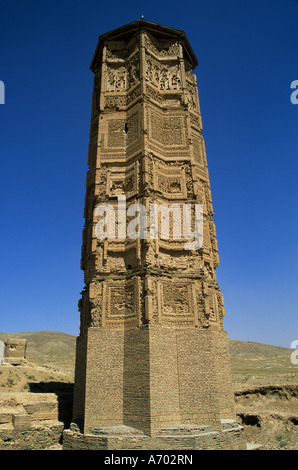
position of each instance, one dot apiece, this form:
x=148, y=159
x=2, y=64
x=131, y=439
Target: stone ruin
x=15, y=351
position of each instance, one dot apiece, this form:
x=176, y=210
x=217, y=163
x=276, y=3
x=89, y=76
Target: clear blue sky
x=248, y=57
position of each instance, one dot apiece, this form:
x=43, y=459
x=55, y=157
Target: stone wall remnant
x=15, y=351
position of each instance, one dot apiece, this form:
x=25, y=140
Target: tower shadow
x=64, y=393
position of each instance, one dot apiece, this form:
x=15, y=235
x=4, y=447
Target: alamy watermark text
x=175, y=222
x=2, y=92
x=294, y=95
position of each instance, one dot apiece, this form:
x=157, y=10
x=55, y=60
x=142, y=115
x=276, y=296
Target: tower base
x=152, y=378
x=186, y=437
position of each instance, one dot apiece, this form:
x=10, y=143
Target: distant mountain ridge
x=250, y=349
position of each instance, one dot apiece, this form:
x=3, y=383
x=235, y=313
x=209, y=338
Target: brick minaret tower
x=152, y=367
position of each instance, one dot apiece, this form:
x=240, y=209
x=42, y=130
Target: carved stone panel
x=166, y=129
x=199, y=149
x=192, y=96
x=162, y=47
x=133, y=129
x=163, y=75
x=116, y=79
x=120, y=77
x=121, y=303
x=212, y=309
x=116, y=133
x=166, y=100
x=122, y=134
x=176, y=302
x=170, y=181
x=123, y=181
x=121, y=50
x=172, y=178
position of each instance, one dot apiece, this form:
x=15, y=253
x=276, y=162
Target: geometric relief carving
x=192, y=95
x=120, y=50
x=206, y=238
x=94, y=309
x=133, y=129
x=122, y=180
x=162, y=47
x=123, y=132
x=116, y=132
x=208, y=270
x=176, y=302
x=199, y=150
x=196, y=120
x=168, y=100
x=206, y=198
x=211, y=308
x=178, y=260
x=167, y=130
x=170, y=180
x=121, y=302
x=114, y=101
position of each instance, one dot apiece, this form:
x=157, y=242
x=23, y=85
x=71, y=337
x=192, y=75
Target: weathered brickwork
x=152, y=354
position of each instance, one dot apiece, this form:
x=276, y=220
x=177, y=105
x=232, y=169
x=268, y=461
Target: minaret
x=152, y=365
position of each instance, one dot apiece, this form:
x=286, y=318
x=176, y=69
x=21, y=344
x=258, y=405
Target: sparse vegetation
x=281, y=441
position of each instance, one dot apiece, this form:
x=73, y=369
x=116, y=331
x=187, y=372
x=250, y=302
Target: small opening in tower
x=126, y=128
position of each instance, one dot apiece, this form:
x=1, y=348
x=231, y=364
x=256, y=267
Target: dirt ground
x=269, y=415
